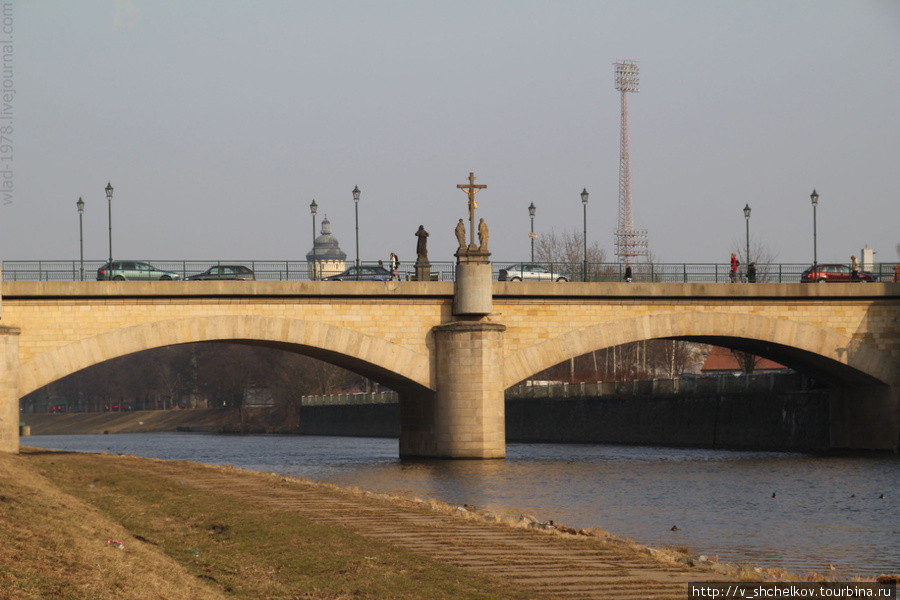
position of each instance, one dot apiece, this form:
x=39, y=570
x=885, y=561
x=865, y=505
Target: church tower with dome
x=326, y=258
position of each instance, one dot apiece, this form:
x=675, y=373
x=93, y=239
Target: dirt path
x=558, y=566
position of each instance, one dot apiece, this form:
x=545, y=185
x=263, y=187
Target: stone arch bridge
x=450, y=366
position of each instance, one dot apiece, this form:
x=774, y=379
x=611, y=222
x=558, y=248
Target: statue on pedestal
x=461, y=237
x=422, y=245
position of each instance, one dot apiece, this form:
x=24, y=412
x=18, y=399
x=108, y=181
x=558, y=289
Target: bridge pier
x=9, y=389
x=466, y=416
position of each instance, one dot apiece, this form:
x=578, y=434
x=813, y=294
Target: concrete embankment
x=785, y=421
x=782, y=421
x=150, y=421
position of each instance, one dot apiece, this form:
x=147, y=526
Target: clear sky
x=218, y=122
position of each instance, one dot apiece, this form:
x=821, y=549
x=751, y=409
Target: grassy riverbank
x=59, y=511
x=194, y=531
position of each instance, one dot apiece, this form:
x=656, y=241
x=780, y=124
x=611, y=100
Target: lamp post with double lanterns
x=747, y=218
x=584, y=200
x=109, y=192
x=80, y=205
x=312, y=209
x=815, y=202
x=531, y=210
x=356, y=212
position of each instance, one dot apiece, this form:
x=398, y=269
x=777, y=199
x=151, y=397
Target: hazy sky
x=218, y=122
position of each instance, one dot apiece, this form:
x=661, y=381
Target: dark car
x=132, y=270
x=224, y=272
x=531, y=272
x=832, y=273
x=365, y=274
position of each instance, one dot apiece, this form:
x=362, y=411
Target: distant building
x=326, y=258
x=868, y=259
x=721, y=361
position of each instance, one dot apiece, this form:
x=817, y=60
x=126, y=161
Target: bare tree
x=296, y=376
x=672, y=357
x=226, y=371
x=760, y=254
x=328, y=379
x=565, y=254
x=633, y=361
x=171, y=373
x=221, y=372
x=746, y=361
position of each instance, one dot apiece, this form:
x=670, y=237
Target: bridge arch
x=386, y=362
x=825, y=354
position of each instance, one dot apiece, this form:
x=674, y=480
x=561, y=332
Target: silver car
x=131, y=270
x=529, y=272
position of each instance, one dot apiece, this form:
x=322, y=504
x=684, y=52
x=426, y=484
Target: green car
x=130, y=270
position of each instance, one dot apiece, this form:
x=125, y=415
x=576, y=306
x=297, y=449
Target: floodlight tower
x=630, y=242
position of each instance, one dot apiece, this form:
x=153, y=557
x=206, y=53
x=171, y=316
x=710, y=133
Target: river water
x=827, y=514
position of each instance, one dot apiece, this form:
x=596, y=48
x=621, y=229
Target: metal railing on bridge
x=684, y=385
x=767, y=382
x=297, y=270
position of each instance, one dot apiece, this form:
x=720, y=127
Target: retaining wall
x=785, y=421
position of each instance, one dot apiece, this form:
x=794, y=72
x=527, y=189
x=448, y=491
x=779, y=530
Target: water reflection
x=825, y=510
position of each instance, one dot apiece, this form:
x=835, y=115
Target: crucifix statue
x=471, y=189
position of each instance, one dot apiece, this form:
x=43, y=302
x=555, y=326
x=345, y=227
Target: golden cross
x=471, y=189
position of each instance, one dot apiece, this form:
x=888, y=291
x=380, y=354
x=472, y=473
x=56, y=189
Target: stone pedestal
x=9, y=389
x=469, y=409
x=472, y=293
x=423, y=271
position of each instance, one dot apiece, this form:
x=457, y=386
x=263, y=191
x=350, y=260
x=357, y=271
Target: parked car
x=366, y=273
x=525, y=271
x=130, y=270
x=832, y=273
x=222, y=272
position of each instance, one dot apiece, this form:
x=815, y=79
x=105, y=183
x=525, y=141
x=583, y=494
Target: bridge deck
x=95, y=289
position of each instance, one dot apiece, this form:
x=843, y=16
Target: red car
x=832, y=273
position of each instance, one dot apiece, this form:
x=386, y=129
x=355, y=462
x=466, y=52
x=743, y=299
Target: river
x=798, y=511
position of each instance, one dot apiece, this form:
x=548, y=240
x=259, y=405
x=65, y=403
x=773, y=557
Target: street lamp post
x=80, y=205
x=531, y=210
x=584, y=199
x=815, y=202
x=356, y=212
x=312, y=209
x=747, y=217
x=109, y=192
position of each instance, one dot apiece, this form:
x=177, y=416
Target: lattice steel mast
x=630, y=242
